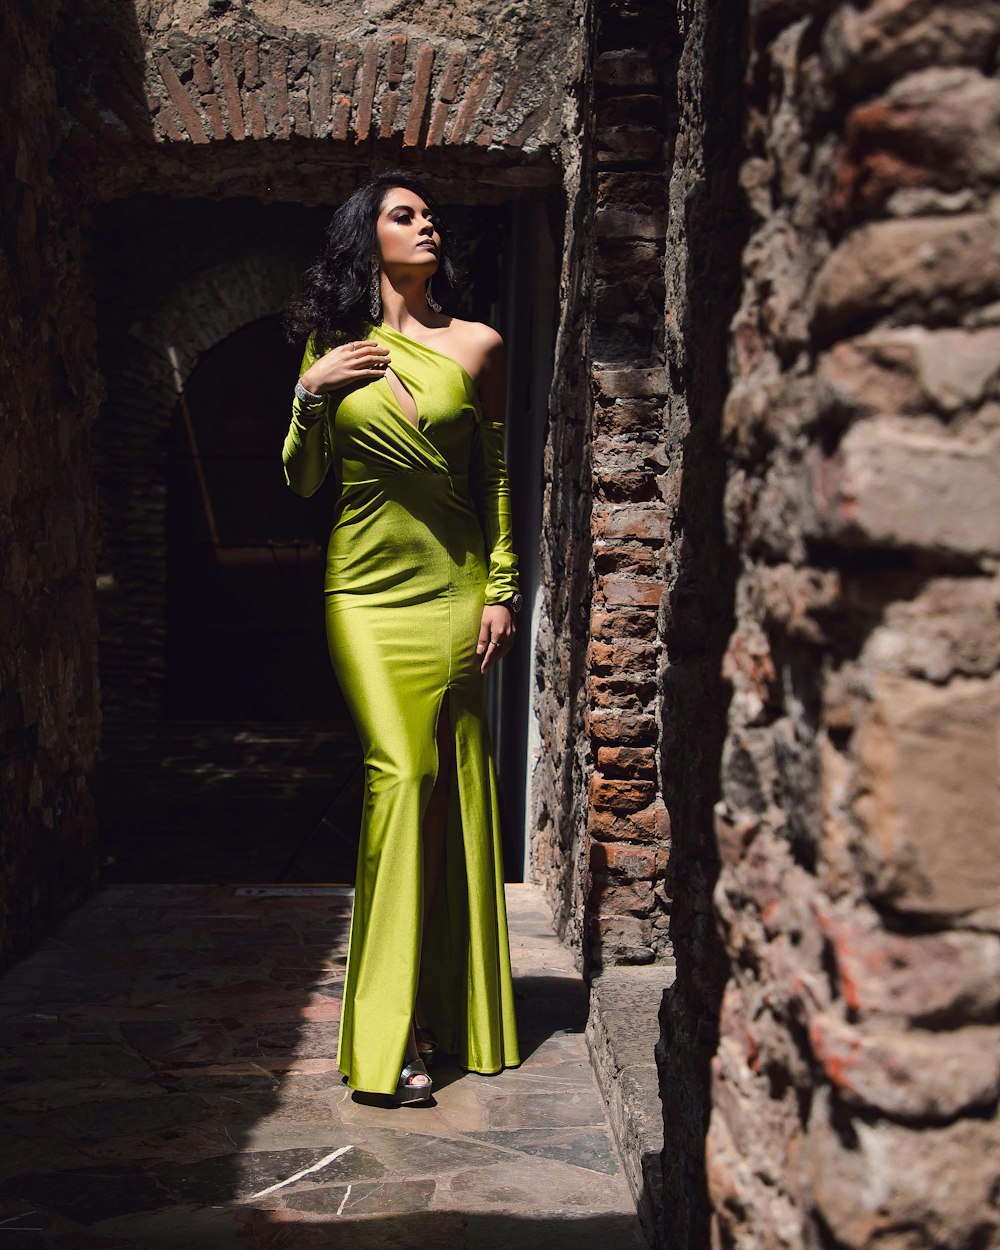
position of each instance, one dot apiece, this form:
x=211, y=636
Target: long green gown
x=421, y=539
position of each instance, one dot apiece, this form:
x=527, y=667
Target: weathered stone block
x=928, y=799
x=913, y=1075
x=940, y=979
x=877, y=1184
x=892, y=485
x=929, y=268
x=938, y=127
x=912, y=371
x=889, y=38
x=951, y=627
x=622, y=939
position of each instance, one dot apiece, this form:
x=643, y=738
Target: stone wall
x=48, y=396
x=706, y=231
x=856, y=1081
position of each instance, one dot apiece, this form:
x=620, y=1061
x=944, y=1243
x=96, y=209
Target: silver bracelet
x=308, y=397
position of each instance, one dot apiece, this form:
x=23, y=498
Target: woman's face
x=407, y=232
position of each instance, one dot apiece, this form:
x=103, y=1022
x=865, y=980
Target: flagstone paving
x=168, y=1059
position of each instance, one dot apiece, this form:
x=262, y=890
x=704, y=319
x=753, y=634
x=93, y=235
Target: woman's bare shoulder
x=479, y=342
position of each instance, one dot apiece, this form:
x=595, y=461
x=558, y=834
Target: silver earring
x=430, y=298
x=375, y=294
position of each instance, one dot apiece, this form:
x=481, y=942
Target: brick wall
x=631, y=520
x=855, y=1086
x=48, y=396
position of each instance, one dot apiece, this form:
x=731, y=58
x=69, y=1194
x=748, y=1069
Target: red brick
x=611, y=384
x=610, y=623
x=366, y=92
x=231, y=90
x=628, y=416
x=635, y=862
x=396, y=62
x=182, y=101
x=632, y=694
x=629, y=590
x=606, y=825
x=387, y=114
x=630, y=143
x=624, y=69
x=341, y=117
x=435, y=131
x=205, y=83
x=625, y=655
x=473, y=98
x=620, y=727
x=625, y=521
x=418, y=100
x=321, y=88
x=254, y=113
x=611, y=896
x=452, y=80
x=636, y=762
x=620, y=796
x=350, y=54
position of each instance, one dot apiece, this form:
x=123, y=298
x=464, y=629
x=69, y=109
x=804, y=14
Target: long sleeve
x=307, y=451
x=491, y=493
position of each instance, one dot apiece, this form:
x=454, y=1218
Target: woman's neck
x=405, y=305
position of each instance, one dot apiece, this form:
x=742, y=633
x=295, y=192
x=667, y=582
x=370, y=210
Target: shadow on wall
x=700, y=609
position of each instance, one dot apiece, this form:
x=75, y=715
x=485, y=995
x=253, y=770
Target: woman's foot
x=414, y=1082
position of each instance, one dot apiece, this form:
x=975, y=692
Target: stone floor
x=170, y=1084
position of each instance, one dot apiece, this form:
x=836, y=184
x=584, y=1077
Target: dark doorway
x=245, y=631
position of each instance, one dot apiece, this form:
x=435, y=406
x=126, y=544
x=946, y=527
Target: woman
x=407, y=405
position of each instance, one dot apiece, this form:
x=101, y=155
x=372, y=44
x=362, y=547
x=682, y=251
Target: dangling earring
x=375, y=294
x=430, y=298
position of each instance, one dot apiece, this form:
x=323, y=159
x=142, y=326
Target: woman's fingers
x=371, y=360
x=496, y=645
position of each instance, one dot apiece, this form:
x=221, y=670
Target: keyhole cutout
x=405, y=400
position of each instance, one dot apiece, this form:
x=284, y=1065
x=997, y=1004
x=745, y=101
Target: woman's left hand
x=496, y=634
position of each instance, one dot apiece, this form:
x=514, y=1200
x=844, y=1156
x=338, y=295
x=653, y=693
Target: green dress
x=421, y=539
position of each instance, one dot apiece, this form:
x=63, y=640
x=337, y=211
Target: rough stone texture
x=49, y=391
x=855, y=1084
x=705, y=232
x=622, y=1031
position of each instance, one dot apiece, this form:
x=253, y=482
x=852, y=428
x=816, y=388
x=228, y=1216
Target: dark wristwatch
x=515, y=602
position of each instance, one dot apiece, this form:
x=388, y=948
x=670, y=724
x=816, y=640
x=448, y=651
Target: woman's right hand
x=345, y=365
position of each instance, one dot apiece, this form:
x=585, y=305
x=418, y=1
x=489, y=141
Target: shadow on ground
x=169, y=1057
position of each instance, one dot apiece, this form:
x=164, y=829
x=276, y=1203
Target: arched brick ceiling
x=464, y=108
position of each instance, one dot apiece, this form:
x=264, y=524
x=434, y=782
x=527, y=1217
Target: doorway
x=227, y=753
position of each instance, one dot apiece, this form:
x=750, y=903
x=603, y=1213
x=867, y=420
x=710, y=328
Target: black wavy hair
x=333, y=299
